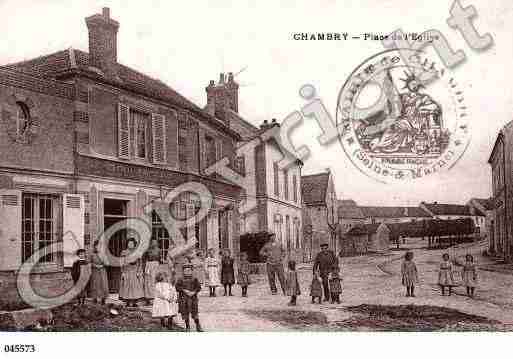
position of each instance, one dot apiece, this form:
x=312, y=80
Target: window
x=40, y=227
x=182, y=145
x=210, y=146
x=161, y=235
x=140, y=121
x=276, y=180
x=286, y=183
x=278, y=219
x=287, y=232
x=297, y=233
x=23, y=119
x=294, y=187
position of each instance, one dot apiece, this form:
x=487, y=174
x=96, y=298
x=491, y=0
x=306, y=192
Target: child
x=409, y=274
x=165, y=304
x=335, y=285
x=227, y=272
x=292, y=283
x=212, y=271
x=243, y=273
x=469, y=275
x=316, y=287
x=445, y=275
x=199, y=266
x=80, y=268
x=188, y=288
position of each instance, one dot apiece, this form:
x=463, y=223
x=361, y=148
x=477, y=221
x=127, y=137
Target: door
x=114, y=212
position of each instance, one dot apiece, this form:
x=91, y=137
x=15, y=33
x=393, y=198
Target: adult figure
x=98, y=284
x=132, y=281
x=273, y=252
x=151, y=265
x=325, y=261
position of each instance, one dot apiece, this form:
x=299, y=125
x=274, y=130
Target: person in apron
x=151, y=265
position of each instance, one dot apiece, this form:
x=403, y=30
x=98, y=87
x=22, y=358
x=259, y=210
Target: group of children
x=316, y=290
x=445, y=275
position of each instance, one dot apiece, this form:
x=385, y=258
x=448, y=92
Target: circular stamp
x=402, y=118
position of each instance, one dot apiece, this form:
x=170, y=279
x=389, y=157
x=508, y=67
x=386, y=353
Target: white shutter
x=10, y=229
x=158, y=125
x=123, y=131
x=72, y=226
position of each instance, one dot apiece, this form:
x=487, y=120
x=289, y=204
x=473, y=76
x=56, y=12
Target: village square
x=91, y=147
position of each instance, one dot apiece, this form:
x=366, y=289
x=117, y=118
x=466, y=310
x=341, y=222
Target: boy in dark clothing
x=78, y=269
x=188, y=288
x=335, y=286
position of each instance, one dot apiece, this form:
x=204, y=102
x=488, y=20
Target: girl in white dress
x=212, y=270
x=165, y=304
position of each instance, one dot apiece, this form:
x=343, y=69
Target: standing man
x=325, y=262
x=274, y=254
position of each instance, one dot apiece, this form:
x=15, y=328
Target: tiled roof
x=314, y=188
x=349, y=209
x=393, y=212
x=65, y=62
x=447, y=209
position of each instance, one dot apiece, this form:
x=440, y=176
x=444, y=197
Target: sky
x=186, y=44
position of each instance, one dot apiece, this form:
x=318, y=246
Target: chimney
x=222, y=96
x=103, y=41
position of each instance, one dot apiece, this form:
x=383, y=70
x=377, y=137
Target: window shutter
x=72, y=226
x=158, y=125
x=10, y=229
x=123, y=131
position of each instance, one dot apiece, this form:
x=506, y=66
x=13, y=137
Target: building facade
x=394, y=214
x=274, y=193
x=320, y=205
x=501, y=162
x=90, y=142
x=484, y=206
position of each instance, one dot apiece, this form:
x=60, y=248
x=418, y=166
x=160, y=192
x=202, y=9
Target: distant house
x=455, y=211
x=349, y=215
x=394, y=214
x=366, y=238
x=485, y=207
x=320, y=205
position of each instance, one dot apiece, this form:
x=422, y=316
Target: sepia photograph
x=289, y=167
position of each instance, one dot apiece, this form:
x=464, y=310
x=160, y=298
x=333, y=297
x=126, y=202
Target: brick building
x=320, y=205
x=87, y=142
x=501, y=161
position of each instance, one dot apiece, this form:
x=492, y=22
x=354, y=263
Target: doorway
x=114, y=211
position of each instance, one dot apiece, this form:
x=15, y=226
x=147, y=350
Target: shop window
x=40, y=226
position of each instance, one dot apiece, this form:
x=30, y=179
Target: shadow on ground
x=367, y=317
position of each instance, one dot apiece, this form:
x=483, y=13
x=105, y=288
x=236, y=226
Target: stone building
x=501, y=161
x=87, y=142
x=484, y=207
x=274, y=193
x=451, y=211
x=320, y=205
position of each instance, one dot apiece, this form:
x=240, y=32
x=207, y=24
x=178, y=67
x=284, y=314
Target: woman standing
x=227, y=272
x=469, y=275
x=409, y=274
x=445, y=275
x=98, y=284
x=132, y=282
x=212, y=270
x=151, y=265
x=198, y=262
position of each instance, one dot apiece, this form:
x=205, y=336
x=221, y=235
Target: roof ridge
x=33, y=59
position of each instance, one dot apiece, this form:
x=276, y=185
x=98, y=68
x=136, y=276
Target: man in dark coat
x=274, y=254
x=325, y=261
x=188, y=288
